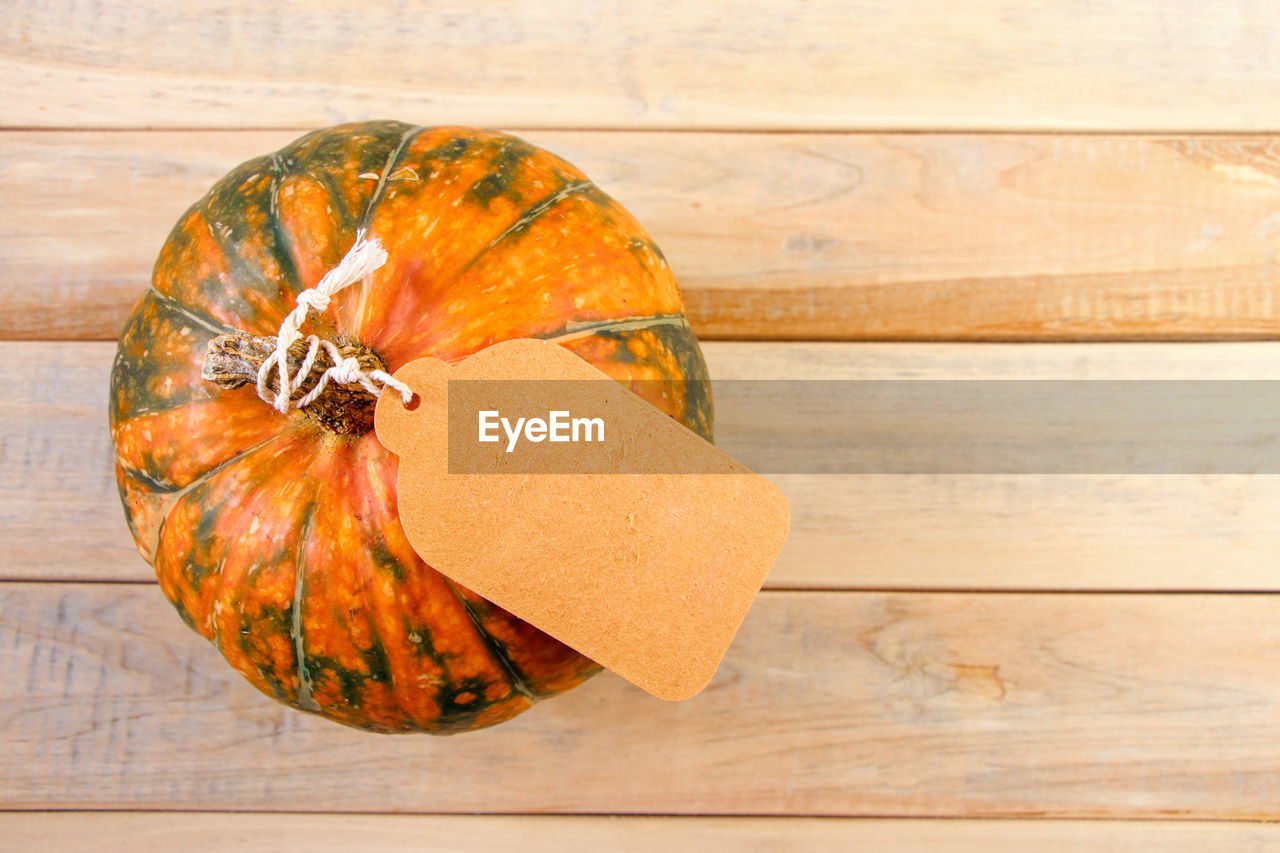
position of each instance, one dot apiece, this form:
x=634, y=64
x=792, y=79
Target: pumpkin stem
x=233, y=360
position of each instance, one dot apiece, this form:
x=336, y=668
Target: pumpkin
x=276, y=536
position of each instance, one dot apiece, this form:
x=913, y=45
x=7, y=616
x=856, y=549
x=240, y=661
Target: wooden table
x=926, y=189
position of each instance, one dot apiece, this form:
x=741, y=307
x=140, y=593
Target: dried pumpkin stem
x=233, y=360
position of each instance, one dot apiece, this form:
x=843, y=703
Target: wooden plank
x=1162, y=532
x=143, y=832
x=59, y=505
x=799, y=236
x=852, y=704
x=922, y=65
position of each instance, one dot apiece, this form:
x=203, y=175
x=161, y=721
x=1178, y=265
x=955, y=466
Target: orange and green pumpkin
x=276, y=536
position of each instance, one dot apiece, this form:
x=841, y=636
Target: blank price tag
x=628, y=537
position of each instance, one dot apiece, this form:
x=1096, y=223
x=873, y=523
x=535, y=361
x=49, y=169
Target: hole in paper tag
x=643, y=550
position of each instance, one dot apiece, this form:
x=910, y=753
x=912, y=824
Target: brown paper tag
x=642, y=550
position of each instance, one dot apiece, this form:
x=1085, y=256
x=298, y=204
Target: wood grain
x=855, y=704
x=1167, y=532
x=1150, y=212
x=791, y=236
x=152, y=832
x=921, y=65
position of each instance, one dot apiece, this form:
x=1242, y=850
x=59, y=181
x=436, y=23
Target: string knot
x=347, y=371
x=364, y=256
x=314, y=299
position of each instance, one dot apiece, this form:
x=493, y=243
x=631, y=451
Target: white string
x=364, y=256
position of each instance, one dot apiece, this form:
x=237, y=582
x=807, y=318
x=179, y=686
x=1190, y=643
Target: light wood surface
x=145, y=832
x=859, y=704
x=781, y=235
x=1154, y=532
x=919, y=65
x=1097, y=654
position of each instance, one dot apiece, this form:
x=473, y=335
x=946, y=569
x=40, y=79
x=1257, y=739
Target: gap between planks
x=139, y=832
x=771, y=588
